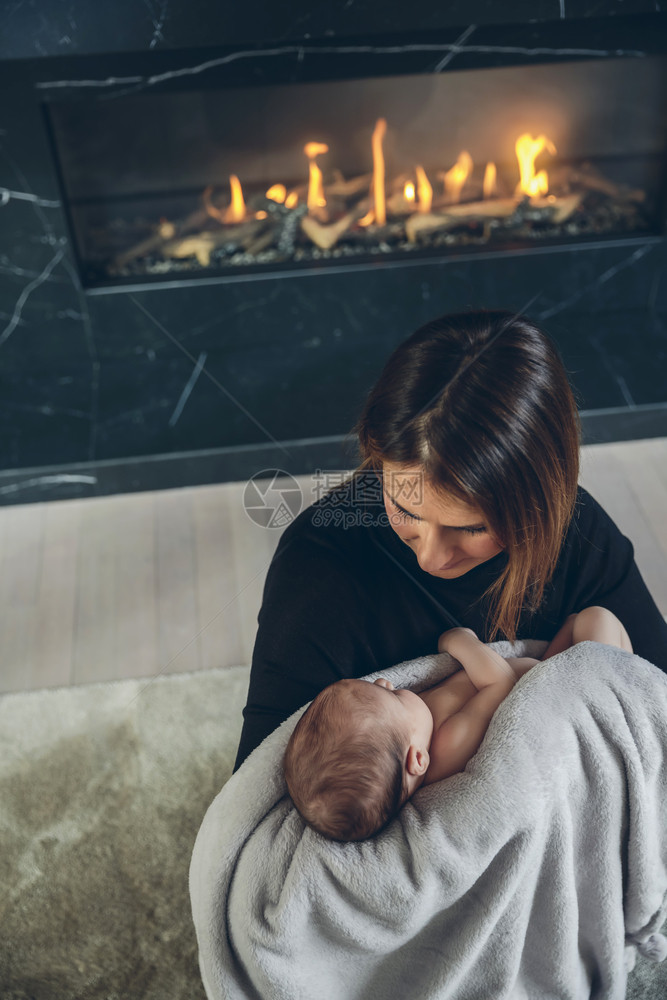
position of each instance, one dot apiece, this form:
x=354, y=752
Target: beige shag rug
x=102, y=790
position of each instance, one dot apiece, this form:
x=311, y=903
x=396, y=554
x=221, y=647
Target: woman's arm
x=333, y=606
x=308, y=637
x=599, y=569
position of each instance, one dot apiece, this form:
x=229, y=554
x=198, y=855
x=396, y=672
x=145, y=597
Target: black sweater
x=344, y=596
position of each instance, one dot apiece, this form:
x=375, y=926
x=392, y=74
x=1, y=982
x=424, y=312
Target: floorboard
x=147, y=583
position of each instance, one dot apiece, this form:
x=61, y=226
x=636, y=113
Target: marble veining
x=45, y=410
x=527, y=306
x=189, y=386
x=6, y=196
x=27, y=292
x=7, y=316
x=158, y=10
x=450, y=48
x=212, y=378
x=48, y=234
x=8, y=267
x=606, y=364
x=623, y=385
x=455, y=49
x=66, y=402
x=600, y=280
x=46, y=481
x=110, y=81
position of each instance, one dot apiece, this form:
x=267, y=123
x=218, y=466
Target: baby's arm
x=458, y=738
x=482, y=664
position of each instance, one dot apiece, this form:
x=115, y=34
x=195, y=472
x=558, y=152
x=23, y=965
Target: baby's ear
x=417, y=760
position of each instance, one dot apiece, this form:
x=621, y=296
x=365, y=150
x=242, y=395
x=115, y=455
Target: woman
x=464, y=511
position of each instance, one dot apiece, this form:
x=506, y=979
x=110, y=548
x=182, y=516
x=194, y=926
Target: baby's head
x=357, y=753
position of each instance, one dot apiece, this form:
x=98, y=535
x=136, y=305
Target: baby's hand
x=450, y=634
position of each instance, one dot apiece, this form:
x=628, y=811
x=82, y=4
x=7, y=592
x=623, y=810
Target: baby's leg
x=600, y=625
x=563, y=638
x=595, y=623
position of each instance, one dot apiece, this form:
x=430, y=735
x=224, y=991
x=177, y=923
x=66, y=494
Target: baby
x=361, y=750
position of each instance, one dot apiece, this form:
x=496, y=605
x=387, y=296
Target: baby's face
x=397, y=707
x=407, y=708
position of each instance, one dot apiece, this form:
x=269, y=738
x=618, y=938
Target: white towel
x=536, y=873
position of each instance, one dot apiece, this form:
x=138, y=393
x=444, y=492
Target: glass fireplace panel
x=224, y=181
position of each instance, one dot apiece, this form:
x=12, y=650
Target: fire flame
x=456, y=177
x=211, y=209
x=417, y=195
x=378, y=171
x=489, y=183
x=277, y=192
x=424, y=190
x=316, y=197
x=236, y=210
x=527, y=151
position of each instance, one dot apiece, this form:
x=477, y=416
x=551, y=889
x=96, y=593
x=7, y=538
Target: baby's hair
x=346, y=785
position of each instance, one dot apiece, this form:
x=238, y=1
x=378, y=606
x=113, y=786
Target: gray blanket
x=538, y=873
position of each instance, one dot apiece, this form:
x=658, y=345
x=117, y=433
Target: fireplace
x=213, y=181
x=214, y=234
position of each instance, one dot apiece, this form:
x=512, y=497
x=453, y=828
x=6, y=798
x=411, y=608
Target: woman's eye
x=474, y=531
x=405, y=513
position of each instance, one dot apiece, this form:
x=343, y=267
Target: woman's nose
x=434, y=551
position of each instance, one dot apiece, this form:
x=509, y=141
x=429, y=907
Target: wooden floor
x=147, y=583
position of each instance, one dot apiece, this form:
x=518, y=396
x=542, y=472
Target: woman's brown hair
x=482, y=403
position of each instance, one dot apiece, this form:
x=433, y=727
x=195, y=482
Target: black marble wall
x=169, y=385
x=79, y=27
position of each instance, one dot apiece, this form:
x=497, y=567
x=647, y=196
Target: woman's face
x=448, y=537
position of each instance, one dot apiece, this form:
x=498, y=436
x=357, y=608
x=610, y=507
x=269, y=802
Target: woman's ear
x=417, y=760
